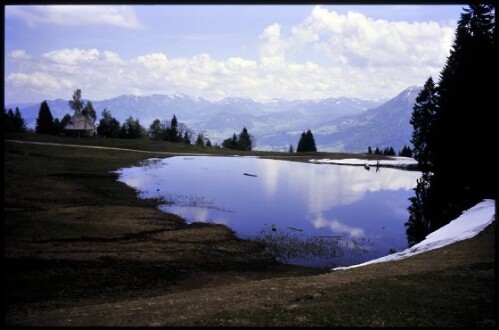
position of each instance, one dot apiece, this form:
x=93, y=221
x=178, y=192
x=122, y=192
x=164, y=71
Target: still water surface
x=306, y=214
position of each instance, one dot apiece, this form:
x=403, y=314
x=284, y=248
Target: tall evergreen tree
x=445, y=116
x=173, y=133
x=310, y=141
x=405, y=152
x=13, y=121
x=389, y=151
x=155, y=132
x=60, y=124
x=466, y=105
x=200, y=140
x=302, y=143
x=131, y=129
x=108, y=125
x=422, y=119
x=19, y=122
x=45, y=121
x=244, y=142
x=58, y=129
x=306, y=142
x=419, y=225
x=230, y=143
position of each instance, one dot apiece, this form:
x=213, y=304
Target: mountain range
x=338, y=124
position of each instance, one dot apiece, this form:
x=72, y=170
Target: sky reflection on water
x=322, y=215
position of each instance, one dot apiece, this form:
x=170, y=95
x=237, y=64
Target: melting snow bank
x=467, y=225
x=394, y=161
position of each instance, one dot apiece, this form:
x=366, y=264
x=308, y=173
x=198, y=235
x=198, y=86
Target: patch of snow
x=394, y=161
x=467, y=225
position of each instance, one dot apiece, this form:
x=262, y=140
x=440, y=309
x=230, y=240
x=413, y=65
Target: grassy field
x=82, y=249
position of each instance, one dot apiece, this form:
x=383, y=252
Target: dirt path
x=109, y=148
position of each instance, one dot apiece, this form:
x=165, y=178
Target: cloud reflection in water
x=319, y=200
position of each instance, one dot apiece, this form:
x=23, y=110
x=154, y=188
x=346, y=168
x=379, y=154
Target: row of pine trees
x=166, y=130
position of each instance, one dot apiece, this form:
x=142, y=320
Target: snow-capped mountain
x=384, y=126
x=338, y=124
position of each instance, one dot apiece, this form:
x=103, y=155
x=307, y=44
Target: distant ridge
x=338, y=124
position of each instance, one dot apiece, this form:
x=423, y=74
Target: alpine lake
x=315, y=215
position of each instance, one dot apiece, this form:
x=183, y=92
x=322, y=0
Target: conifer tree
x=244, y=142
x=108, y=125
x=464, y=99
x=45, y=121
x=174, y=136
x=310, y=141
x=131, y=129
x=466, y=118
x=301, y=143
x=422, y=120
x=419, y=225
x=60, y=124
x=306, y=142
x=13, y=121
x=200, y=140
x=405, y=152
x=19, y=122
x=155, y=132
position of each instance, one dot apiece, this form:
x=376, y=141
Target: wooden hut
x=80, y=125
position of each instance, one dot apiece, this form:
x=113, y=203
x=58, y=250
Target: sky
x=261, y=52
x=467, y=225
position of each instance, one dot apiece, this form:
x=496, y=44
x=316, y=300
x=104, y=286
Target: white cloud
x=236, y=63
x=37, y=81
x=72, y=56
x=361, y=41
x=19, y=55
x=272, y=43
x=74, y=15
x=326, y=55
